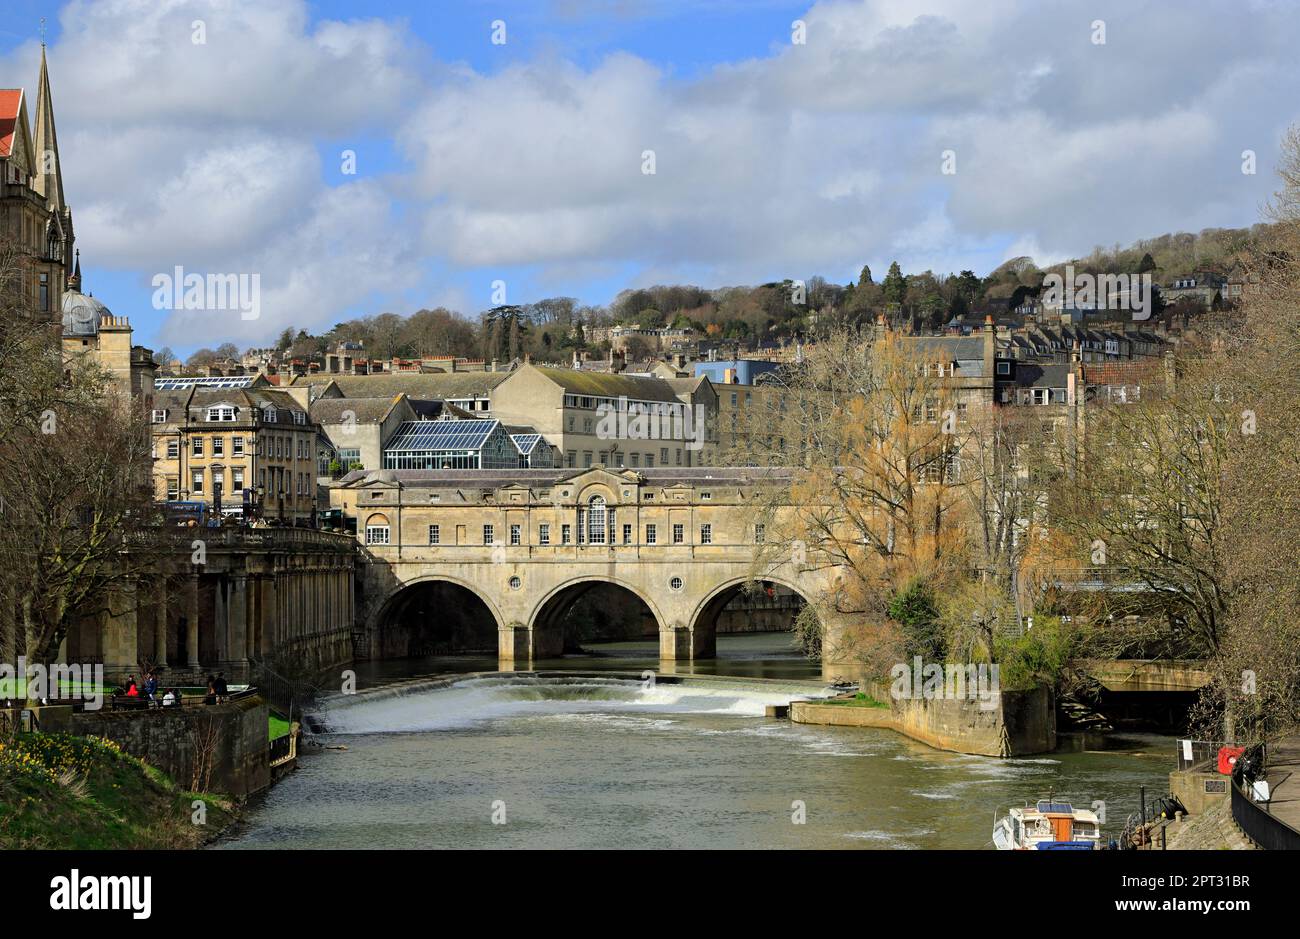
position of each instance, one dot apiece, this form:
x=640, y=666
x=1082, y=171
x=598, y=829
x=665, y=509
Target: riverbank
x=60, y=792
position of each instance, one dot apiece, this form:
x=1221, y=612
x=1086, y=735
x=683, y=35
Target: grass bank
x=59, y=791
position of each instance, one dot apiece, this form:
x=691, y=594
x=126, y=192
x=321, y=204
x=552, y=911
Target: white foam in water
x=477, y=700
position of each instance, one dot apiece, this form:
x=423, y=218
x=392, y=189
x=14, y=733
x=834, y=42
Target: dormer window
x=223, y=412
x=268, y=415
x=160, y=416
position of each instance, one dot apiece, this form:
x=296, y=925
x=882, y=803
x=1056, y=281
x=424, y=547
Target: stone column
x=120, y=632
x=160, y=621
x=238, y=621
x=192, y=622
x=221, y=613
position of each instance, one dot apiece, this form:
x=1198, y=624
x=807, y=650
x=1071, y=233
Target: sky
x=367, y=157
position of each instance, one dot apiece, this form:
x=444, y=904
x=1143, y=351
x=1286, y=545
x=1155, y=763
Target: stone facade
x=524, y=543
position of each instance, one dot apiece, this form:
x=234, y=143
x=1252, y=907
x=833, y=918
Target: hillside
x=58, y=791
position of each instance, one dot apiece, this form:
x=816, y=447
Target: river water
x=607, y=762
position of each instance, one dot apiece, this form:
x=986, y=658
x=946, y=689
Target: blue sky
x=522, y=163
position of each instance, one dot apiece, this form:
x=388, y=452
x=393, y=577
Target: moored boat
x=1048, y=826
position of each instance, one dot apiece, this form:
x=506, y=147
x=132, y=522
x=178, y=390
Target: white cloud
x=810, y=159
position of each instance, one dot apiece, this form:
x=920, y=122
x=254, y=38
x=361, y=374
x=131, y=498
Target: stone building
x=36, y=218
x=247, y=448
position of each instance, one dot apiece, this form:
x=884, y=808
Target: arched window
x=597, y=522
x=377, y=530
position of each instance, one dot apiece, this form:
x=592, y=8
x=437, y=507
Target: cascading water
x=443, y=706
x=558, y=761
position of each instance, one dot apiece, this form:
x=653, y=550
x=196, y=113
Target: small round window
x=515, y=583
x=675, y=583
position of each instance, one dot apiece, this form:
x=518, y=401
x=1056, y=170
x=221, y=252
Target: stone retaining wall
x=171, y=739
x=1020, y=722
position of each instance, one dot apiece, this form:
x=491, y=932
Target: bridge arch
x=627, y=611
x=704, y=618
x=433, y=615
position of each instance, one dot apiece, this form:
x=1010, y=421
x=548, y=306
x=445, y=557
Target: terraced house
x=243, y=449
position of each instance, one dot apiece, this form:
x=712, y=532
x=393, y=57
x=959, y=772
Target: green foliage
x=914, y=608
x=808, y=633
x=59, y=791
x=894, y=285
x=1037, y=657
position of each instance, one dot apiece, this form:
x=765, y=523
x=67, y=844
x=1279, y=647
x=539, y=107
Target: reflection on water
x=612, y=763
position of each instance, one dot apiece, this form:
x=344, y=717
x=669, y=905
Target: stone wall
x=169, y=739
x=1020, y=722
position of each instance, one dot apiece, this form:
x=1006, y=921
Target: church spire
x=74, y=282
x=48, y=180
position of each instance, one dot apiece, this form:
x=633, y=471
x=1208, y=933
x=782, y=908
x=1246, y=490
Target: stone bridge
x=458, y=561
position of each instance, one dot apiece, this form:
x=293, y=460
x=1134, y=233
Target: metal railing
x=1202, y=752
x=1257, y=823
x=284, y=749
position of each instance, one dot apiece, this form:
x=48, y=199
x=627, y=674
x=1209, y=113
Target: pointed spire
x=48, y=180
x=74, y=282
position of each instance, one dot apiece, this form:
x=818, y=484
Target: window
x=376, y=534
x=488, y=534
x=218, y=482
x=627, y=534
x=196, y=480
x=1004, y=368
x=221, y=413
x=650, y=461
x=706, y=496
x=236, y=446
x=586, y=458
x=636, y=459
x=760, y=533
x=566, y=534
x=196, y=446
x=706, y=534
x=173, y=488
x=268, y=415
x=675, y=583
x=650, y=534
x=515, y=537
x=569, y=458
x=663, y=456
x=160, y=416
x=173, y=449
x=679, y=534
x=237, y=479
x=219, y=446
x=435, y=534
x=543, y=534
x=596, y=520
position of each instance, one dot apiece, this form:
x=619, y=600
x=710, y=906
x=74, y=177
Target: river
x=606, y=762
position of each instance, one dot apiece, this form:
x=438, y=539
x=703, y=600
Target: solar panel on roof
x=426, y=436
x=228, y=381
